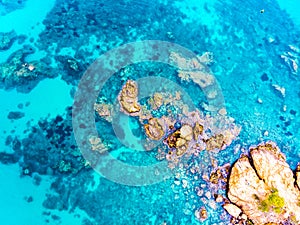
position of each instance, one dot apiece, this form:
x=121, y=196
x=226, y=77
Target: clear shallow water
x=247, y=47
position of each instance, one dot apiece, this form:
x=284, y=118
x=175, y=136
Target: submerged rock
x=201, y=214
x=263, y=186
x=104, y=110
x=15, y=115
x=7, y=39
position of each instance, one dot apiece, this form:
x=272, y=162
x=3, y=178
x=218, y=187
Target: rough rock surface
x=263, y=186
x=232, y=209
x=128, y=98
x=154, y=129
x=298, y=176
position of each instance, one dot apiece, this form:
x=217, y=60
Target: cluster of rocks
x=192, y=132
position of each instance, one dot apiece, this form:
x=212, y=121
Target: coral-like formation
x=17, y=73
x=156, y=101
x=10, y=6
x=194, y=69
x=206, y=58
x=50, y=148
x=7, y=39
x=197, y=133
x=280, y=89
x=15, y=115
x=104, y=110
x=97, y=144
x=263, y=187
x=128, y=98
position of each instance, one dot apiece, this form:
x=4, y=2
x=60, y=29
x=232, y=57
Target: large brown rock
x=298, y=176
x=128, y=98
x=263, y=186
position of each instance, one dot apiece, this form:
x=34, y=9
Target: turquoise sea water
x=47, y=46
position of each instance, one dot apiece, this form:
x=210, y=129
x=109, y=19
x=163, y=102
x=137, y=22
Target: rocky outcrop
x=264, y=188
x=298, y=175
x=180, y=139
x=154, y=129
x=104, y=110
x=128, y=99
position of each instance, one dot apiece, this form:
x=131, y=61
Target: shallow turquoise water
x=44, y=178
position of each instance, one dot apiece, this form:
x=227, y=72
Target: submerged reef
x=263, y=188
x=10, y=6
x=195, y=70
x=21, y=74
x=200, y=75
x=7, y=40
x=192, y=140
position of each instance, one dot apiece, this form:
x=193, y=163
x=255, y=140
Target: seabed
x=149, y=112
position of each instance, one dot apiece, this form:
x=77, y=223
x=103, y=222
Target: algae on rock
x=264, y=187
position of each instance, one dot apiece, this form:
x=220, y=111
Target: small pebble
x=177, y=182
x=212, y=204
x=208, y=195
x=284, y=108
x=244, y=217
x=219, y=198
x=184, y=183
x=222, y=111
x=15, y=115
x=259, y=100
